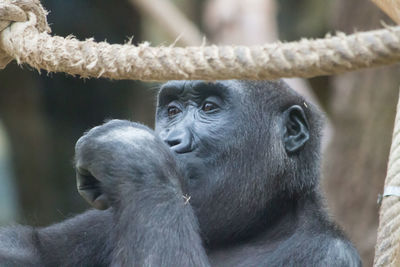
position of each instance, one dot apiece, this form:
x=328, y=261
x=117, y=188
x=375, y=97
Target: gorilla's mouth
x=183, y=150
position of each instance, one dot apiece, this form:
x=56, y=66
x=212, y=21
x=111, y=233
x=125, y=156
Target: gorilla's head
x=247, y=150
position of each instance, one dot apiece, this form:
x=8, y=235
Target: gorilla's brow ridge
x=216, y=88
x=177, y=89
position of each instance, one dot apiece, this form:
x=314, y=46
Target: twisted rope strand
x=305, y=58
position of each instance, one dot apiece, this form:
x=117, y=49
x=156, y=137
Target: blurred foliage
x=44, y=114
x=303, y=19
x=8, y=201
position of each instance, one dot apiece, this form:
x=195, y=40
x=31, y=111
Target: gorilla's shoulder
x=335, y=248
x=340, y=252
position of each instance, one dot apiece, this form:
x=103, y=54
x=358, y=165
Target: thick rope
x=27, y=42
x=387, y=251
x=16, y=10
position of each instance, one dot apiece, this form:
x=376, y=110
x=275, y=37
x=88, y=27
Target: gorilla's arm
x=125, y=166
x=159, y=230
x=17, y=247
x=79, y=241
x=162, y=235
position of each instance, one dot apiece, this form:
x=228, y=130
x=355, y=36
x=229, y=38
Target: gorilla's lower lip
x=184, y=151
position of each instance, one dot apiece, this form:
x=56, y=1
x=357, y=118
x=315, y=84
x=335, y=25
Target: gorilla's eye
x=173, y=110
x=209, y=106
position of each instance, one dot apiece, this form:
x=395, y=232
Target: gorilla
x=229, y=177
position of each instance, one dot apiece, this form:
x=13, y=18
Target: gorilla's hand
x=119, y=158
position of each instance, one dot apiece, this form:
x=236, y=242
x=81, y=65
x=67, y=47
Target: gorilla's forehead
x=186, y=87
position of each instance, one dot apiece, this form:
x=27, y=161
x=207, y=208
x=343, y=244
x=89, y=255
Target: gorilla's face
x=198, y=121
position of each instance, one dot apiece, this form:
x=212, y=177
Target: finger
x=91, y=190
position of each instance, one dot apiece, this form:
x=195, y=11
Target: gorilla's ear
x=296, y=132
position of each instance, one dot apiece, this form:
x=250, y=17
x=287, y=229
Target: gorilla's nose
x=179, y=141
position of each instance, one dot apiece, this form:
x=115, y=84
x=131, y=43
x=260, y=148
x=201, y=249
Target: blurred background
x=42, y=115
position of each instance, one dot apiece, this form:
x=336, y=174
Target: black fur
x=229, y=177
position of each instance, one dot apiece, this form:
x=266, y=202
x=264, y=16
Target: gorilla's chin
x=197, y=178
x=191, y=168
